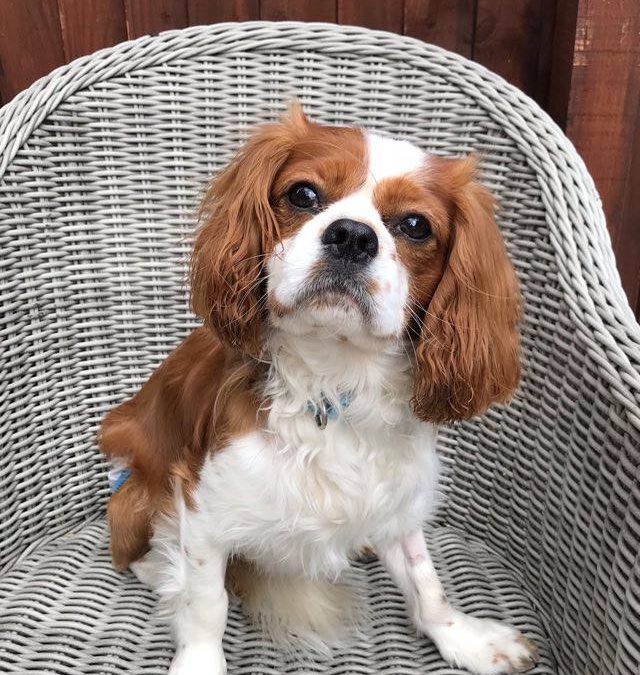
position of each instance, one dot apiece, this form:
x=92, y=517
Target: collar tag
x=325, y=410
x=321, y=418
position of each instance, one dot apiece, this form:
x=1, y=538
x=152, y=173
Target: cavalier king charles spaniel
x=355, y=293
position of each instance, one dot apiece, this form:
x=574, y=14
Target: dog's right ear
x=237, y=228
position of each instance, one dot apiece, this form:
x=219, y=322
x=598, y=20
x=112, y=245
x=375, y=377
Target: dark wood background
x=580, y=59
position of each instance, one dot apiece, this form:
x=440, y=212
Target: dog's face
x=358, y=255
x=335, y=231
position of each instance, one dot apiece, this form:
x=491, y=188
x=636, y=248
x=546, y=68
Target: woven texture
x=86, y=618
x=101, y=166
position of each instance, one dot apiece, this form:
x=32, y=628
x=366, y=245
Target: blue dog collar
x=325, y=410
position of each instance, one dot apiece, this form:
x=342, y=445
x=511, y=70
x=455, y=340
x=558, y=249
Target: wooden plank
x=545, y=49
x=148, y=17
x=88, y=25
x=602, y=111
x=30, y=43
x=446, y=23
x=508, y=36
x=628, y=240
x=594, y=94
x=299, y=10
x=380, y=14
x=561, y=66
x=218, y=11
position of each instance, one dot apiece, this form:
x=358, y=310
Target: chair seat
x=63, y=609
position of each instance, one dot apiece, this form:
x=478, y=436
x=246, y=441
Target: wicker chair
x=101, y=166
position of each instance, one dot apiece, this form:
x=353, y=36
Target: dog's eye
x=304, y=196
x=415, y=226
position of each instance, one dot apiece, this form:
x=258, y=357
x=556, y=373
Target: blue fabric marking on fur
x=118, y=479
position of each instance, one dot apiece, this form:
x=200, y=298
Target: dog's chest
x=305, y=499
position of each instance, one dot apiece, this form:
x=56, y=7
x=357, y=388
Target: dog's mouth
x=330, y=289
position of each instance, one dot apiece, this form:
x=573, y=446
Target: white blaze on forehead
x=389, y=158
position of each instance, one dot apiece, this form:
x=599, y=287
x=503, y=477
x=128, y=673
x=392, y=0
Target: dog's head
x=314, y=228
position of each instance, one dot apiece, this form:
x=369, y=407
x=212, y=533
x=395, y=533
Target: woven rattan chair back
x=102, y=164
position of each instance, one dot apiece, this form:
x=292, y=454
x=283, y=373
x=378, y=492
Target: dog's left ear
x=467, y=353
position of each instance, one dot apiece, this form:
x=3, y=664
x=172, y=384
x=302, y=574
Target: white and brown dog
x=355, y=293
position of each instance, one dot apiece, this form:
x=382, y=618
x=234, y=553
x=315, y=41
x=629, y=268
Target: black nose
x=350, y=240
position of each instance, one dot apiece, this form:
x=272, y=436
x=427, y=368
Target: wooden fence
x=580, y=59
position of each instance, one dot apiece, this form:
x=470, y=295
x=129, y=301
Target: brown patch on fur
x=332, y=159
x=128, y=514
x=463, y=290
x=373, y=286
x=201, y=395
x=499, y=656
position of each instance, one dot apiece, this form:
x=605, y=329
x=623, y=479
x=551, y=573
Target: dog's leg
x=199, y=611
x=147, y=570
x=482, y=646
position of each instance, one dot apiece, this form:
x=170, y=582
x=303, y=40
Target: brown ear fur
x=468, y=350
x=237, y=228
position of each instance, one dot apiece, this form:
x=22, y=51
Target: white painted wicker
x=101, y=167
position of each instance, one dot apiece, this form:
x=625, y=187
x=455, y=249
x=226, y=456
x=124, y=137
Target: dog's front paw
x=483, y=646
x=198, y=659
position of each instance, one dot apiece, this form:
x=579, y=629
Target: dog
x=355, y=293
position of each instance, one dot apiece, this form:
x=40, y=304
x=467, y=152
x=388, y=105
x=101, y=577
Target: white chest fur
x=298, y=499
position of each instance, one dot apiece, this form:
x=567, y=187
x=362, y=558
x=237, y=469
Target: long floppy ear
x=237, y=226
x=468, y=349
